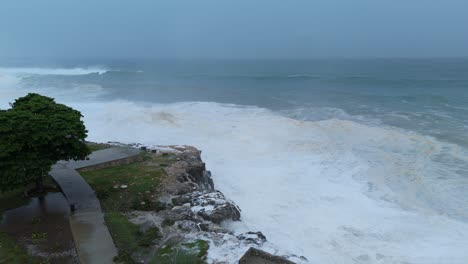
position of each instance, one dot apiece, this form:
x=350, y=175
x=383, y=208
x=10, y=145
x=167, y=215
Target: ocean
x=337, y=160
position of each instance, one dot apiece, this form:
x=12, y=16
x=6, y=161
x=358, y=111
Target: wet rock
x=212, y=227
x=174, y=239
x=187, y=172
x=253, y=237
x=177, y=213
x=188, y=226
x=207, y=181
x=165, y=200
x=145, y=220
x=183, y=189
x=180, y=200
x=213, y=206
x=256, y=256
x=220, y=213
x=205, y=226
x=209, y=205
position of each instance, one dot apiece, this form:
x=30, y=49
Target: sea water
x=340, y=161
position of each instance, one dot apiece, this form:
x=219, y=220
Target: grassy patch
x=124, y=233
x=127, y=236
x=97, y=146
x=168, y=222
x=187, y=253
x=11, y=253
x=148, y=237
x=129, y=187
x=200, y=245
x=126, y=187
x=37, y=237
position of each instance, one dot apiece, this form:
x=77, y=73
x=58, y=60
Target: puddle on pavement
x=42, y=227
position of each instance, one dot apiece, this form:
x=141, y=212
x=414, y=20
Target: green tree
x=34, y=134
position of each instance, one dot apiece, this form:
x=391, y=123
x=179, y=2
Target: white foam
x=51, y=71
x=334, y=191
x=12, y=87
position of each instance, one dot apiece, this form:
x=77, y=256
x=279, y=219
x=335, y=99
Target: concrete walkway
x=92, y=238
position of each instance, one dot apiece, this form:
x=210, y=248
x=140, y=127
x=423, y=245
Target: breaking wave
x=51, y=71
x=335, y=191
x=12, y=84
x=329, y=188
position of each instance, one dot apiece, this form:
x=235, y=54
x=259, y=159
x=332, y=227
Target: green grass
x=168, y=222
x=127, y=236
x=184, y=253
x=200, y=245
x=11, y=253
x=141, y=181
x=97, y=146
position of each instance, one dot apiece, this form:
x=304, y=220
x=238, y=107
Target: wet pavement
x=42, y=226
x=76, y=189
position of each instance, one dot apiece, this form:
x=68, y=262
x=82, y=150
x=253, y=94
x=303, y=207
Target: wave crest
x=52, y=71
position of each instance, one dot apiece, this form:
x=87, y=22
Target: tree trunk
x=40, y=185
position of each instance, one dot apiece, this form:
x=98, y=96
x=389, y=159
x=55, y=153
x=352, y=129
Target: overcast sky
x=233, y=29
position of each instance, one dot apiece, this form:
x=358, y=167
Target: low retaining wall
x=111, y=163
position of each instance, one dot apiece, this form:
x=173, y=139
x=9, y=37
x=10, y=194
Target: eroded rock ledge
x=193, y=211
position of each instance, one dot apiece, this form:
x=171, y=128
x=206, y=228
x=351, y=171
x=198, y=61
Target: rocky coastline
x=192, y=210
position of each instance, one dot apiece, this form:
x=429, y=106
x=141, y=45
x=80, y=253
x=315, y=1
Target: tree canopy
x=34, y=134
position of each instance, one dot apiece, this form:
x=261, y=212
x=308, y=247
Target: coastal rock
x=253, y=256
x=186, y=172
x=213, y=206
x=194, y=211
x=208, y=226
x=188, y=226
x=253, y=237
x=221, y=213
x=177, y=213
x=180, y=200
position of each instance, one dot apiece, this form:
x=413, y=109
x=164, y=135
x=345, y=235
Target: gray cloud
x=233, y=29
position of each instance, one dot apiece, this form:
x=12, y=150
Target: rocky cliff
x=193, y=213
